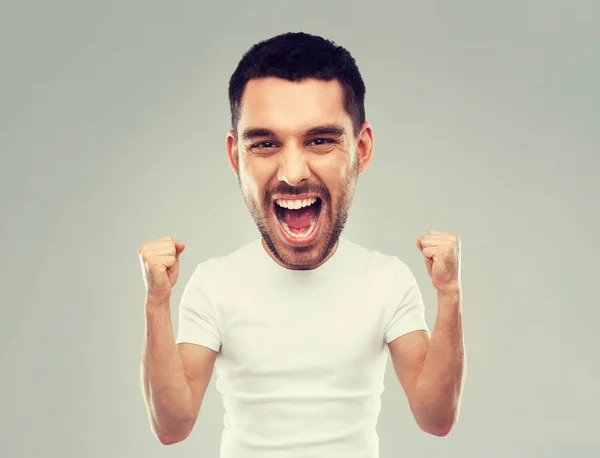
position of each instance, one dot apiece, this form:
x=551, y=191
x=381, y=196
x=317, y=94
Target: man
x=299, y=321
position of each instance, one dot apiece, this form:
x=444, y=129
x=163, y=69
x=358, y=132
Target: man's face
x=297, y=161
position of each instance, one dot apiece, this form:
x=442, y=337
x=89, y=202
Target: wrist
x=157, y=316
x=449, y=302
x=157, y=303
x=450, y=290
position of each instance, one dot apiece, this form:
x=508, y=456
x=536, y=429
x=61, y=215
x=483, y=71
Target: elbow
x=166, y=439
x=436, y=421
x=172, y=435
x=438, y=427
x=440, y=430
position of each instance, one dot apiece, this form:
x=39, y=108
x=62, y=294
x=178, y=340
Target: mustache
x=297, y=190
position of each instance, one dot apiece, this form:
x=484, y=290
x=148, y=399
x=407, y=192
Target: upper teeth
x=296, y=204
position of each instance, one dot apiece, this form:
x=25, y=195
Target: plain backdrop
x=113, y=116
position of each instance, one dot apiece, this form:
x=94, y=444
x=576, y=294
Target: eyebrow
x=335, y=130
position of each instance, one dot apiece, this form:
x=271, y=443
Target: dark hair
x=295, y=57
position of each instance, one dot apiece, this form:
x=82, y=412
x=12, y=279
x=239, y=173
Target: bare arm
x=431, y=370
x=174, y=377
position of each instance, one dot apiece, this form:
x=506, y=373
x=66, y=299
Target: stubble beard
x=337, y=217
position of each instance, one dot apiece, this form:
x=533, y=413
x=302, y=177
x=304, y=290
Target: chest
x=333, y=338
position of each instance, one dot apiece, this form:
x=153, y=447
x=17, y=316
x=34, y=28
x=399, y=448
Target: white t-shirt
x=302, y=353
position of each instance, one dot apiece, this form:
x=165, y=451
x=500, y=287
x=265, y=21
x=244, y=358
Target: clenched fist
x=160, y=266
x=442, y=258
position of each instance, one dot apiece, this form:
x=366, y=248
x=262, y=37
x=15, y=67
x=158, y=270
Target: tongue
x=299, y=219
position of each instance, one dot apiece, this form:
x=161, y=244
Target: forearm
x=166, y=390
x=440, y=382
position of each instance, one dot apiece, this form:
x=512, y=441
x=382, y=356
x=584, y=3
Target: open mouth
x=298, y=219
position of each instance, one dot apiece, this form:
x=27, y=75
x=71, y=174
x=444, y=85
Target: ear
x=365, y=147
x=232, y=152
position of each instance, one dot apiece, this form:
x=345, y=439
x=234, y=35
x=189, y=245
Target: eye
x=263, y=145
x=321, y=141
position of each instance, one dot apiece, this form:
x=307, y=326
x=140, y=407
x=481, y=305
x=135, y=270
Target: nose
x=293, y=167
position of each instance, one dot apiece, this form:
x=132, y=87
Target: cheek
x=335, y=174
x=255, y=177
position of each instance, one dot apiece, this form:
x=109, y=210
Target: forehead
x=289, y=105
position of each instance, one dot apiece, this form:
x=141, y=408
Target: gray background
x=113, y=118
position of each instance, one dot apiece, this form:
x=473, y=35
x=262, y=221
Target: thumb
x=179, y=247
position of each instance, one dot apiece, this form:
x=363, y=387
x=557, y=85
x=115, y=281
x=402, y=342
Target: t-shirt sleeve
x=198, y=317
x=408, y=311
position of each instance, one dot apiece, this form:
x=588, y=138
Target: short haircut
x=296, y=57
